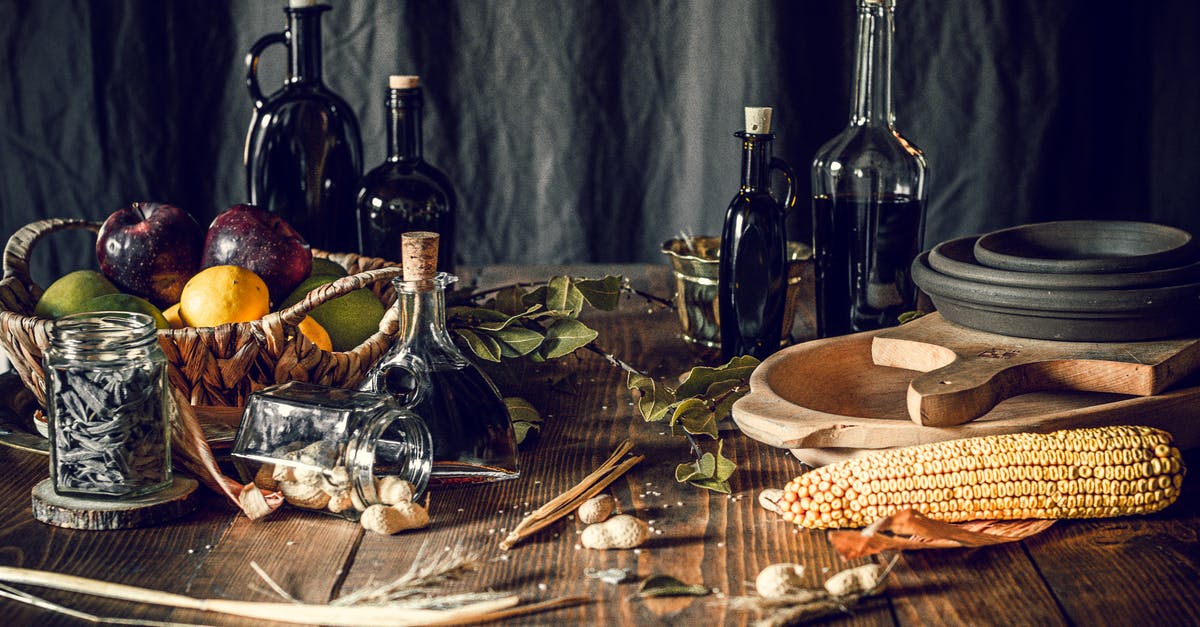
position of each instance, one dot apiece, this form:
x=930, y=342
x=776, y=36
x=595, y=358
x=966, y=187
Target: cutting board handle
x=967, y=372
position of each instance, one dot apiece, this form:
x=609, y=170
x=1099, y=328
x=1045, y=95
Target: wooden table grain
x=1122, y=571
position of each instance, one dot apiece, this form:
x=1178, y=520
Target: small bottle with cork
x=473, y=438
x=752, y=290
x=405, y=192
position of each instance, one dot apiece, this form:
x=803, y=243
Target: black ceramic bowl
x=1118, y=315
x=956, y=258
x=1086, y=247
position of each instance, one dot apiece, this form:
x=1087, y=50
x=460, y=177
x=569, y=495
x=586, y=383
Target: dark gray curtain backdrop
x=581, y=130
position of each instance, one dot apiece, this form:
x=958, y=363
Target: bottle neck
x=304, y=44
x=390, y=442
x=756, y=161
x=423, y=314
x=873, y=64
x=404, y=124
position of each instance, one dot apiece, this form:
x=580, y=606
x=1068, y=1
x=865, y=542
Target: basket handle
x=16, y=251
x=295, y=314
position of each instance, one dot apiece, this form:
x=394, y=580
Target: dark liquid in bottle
x=753, y=279
x=302, y=166
x=864, y=249
x=472, y=433
x=400, y=197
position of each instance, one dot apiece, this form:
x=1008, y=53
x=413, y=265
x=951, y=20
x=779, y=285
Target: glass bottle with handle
x=868, y=196
x=405, y=193
x=752, y=285
x=303, y=152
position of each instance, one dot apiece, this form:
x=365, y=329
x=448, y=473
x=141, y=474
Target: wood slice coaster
x=79, y=512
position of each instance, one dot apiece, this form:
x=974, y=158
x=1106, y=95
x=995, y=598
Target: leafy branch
x=511, y=328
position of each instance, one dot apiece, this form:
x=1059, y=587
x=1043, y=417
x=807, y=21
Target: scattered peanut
x=596, y=509
x=392, y=490
x=265, y=477
x=304, y=495
x=340, y=502
x=390, y=519
x=283, y=474
x=854, y=580
x=770, y=499
x=618, y=532
x=779, y=580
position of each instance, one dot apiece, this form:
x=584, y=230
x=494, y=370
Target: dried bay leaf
x=909, y=530
x=483, y=346
x=654, y=400
x=565, y=336
x=603, y=294
x=668, y=586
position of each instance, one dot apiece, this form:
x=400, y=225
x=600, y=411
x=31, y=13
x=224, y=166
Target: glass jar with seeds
x=106, y=396
x=332, y=449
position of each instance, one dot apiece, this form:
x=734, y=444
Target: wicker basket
x=217, y=366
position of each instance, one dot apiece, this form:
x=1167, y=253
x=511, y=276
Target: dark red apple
x=262, y=242
x=150, y=249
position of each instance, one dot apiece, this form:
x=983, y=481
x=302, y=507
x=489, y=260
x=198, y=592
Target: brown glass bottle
x=868, y=197
x=405, y=193
x=303, y=151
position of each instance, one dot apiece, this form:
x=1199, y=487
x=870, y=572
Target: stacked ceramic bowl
x=1079, y=280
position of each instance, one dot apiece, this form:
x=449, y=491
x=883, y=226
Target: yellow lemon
x=223, y=294
x=315, y=333
x=172, y=315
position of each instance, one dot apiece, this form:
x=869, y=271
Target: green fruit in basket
x=324, y=267
x=127, y=302
x=349, y=319
x=70, y=293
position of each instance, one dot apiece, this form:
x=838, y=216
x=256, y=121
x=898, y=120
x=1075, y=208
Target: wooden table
x=1120, y=571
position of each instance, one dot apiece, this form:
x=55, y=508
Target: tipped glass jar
x=868, y=197
x=106, y=399
x=329, y=448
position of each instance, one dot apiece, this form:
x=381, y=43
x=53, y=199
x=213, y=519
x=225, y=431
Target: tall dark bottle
x=868, y=197
x=303, y=151
x=405, y=193
x=752, y=286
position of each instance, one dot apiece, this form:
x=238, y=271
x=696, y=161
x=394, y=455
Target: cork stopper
x=397, y=81
x=758, y=120
x=419, y=253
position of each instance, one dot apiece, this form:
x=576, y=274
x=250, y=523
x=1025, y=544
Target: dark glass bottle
x=752, y=285
x=303, y=151
x=473, y=439
x=405, y=193
x=868, y=197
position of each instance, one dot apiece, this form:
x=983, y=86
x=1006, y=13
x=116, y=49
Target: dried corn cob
x=1079, y=473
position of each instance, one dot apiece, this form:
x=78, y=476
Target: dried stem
x=20, y=596
x=303, y=613
x=569, y=501
x=423, y=572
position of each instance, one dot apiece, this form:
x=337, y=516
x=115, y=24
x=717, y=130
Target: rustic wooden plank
x=992, y=586
x=160, y=557
x=1126, y=571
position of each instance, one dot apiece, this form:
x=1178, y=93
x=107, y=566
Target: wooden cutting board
x=967, y=372
x=828, y=394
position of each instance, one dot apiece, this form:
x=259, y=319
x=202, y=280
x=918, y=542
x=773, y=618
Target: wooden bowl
x=1086, y=247
x=1070, y=315
x=956, y=258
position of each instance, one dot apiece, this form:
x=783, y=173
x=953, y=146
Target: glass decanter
x=868, y=197
x=473, y=438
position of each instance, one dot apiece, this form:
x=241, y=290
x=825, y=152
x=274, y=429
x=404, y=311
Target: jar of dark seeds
x=332, y=449
x=106, y=397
